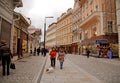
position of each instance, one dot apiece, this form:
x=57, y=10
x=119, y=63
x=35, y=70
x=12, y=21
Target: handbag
x=12, y=65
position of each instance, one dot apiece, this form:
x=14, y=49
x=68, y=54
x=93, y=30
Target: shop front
x=104, y=42
x=24, y=41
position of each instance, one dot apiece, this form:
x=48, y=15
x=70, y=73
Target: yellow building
x=76, y=32
x=98, y=25
x=63, y=31
x=50, y=36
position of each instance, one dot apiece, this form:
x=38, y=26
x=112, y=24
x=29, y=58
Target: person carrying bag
x=6, y=57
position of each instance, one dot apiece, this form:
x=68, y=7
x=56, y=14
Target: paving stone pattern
x=70, y=73
x=26, y=71
x=106, y=70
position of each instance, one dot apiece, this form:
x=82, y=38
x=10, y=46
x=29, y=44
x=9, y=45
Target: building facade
x=50, y=36
x=90, y=25
x=20, y=34
x=76, y=33
x=63, y=31
x=6, y=20
x=98, y=25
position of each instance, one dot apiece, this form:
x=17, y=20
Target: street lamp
x=45, y=28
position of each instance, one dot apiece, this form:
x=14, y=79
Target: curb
x=37, y=79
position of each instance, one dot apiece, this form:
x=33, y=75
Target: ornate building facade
x=63, y=31
x=50, y=36
x=98, y=25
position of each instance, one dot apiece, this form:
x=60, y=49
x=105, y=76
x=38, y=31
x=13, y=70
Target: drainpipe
x=12, y=29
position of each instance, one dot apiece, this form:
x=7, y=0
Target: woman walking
x=60, y=57
x=53, y=57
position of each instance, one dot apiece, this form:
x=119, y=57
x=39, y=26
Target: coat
x=52, y=54
x=61, y=56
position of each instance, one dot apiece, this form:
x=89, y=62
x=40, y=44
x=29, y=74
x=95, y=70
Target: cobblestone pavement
x=70, y=73
x=106, y=70
x=27, y=70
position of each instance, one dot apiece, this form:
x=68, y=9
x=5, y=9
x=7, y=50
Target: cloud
x=37, y=10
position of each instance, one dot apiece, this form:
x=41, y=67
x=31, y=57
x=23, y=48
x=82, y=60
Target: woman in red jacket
x=53, y=57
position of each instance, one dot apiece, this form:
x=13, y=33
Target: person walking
x=38, y=51
x=53, y=57
x=44, y=52
x=6, y=57
x=34, y=51
x=88, y=53
x=61, y=55
x=109, y=53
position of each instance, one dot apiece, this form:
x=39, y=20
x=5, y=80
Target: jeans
x=5, y=61
x=61, y=65
x=53, y=62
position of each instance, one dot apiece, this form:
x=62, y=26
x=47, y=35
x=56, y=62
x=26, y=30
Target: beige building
x=50, y=36
x=34, y=40
x=63, y=31
x=76, y=32
x=118, y=21
x=98, y=25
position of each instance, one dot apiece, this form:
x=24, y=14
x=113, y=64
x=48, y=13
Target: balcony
x=93, y=17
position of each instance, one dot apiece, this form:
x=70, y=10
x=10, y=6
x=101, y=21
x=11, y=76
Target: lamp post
x=45, y=28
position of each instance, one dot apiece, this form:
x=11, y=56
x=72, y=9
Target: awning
x=101, y=41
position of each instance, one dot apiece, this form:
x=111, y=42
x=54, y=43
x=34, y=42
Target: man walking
x=88, y=53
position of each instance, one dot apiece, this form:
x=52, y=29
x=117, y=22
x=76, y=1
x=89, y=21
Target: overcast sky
x=37, y=10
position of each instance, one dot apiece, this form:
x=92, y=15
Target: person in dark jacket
x=38, y=51
x=6, y=57
x=88, y=53
x=34, y=51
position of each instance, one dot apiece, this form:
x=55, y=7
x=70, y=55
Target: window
x=96, y=7
x=80, y=36
x=94, y=31
x=110, y=26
